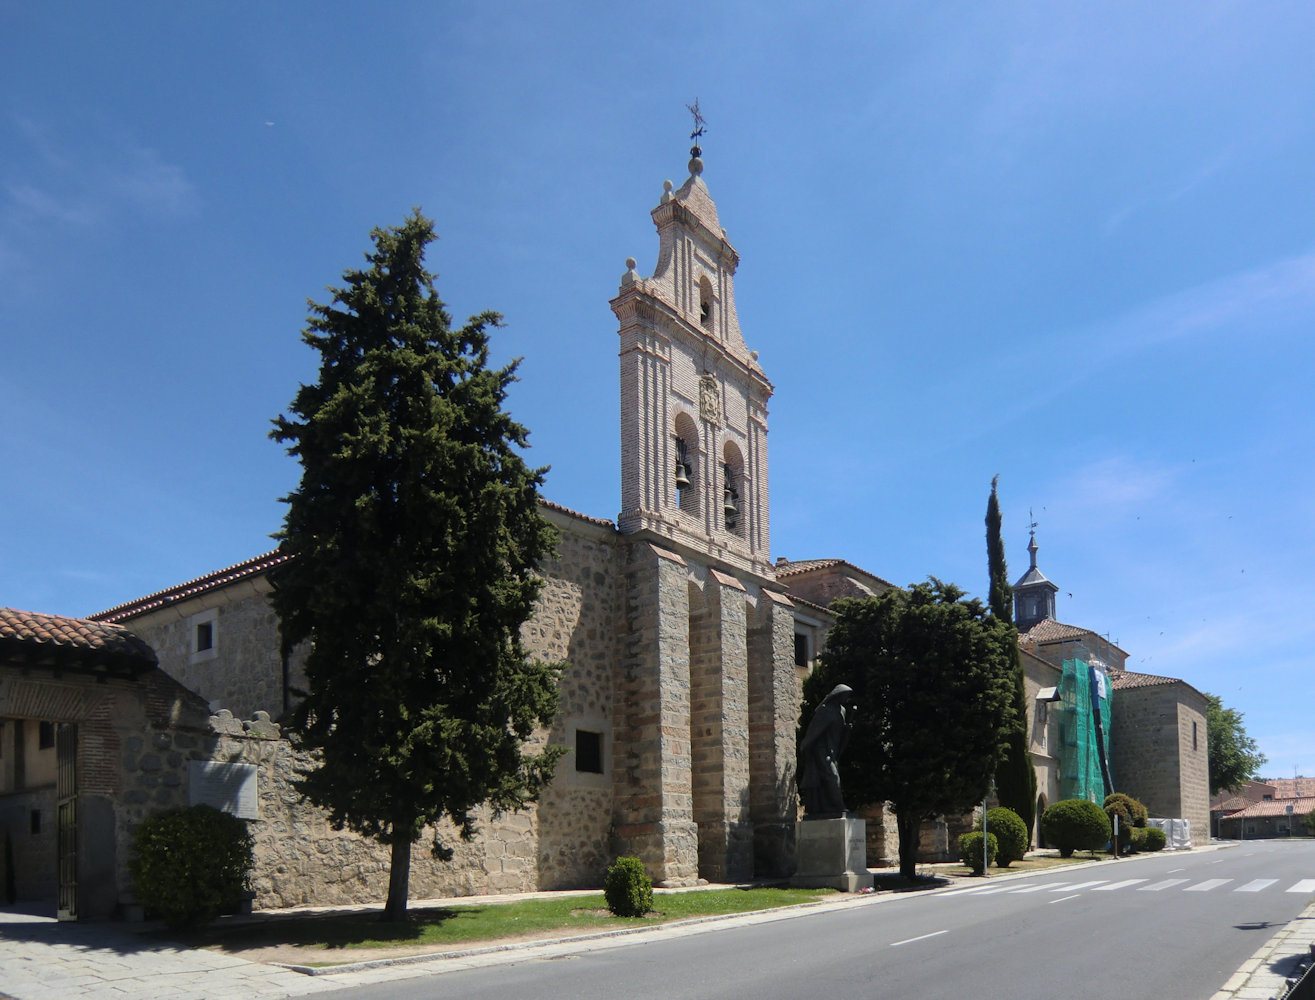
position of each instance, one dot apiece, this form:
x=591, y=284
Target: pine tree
x=414, y=538
x=1015, y=781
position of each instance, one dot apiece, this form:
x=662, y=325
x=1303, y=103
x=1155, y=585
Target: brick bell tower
x=705, y=686
x=693, y=396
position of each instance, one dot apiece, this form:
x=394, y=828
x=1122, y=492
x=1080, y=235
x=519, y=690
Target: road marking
x=1256, y=885
x=1035, y=888
x=1118, y=885
x=1080, y=885
x=1305, y=885
x=1219, y=862
x=1166, y=884
x=924, y=937
x=1173, y=870
x=1064, y=899
x=1208, y=884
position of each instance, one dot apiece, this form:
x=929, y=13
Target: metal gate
x=66, y=819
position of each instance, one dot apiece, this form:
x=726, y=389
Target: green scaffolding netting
x=1084, y=732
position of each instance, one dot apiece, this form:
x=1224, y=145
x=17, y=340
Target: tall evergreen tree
x=1015, y=781
x=932, y=702
x=414, y=538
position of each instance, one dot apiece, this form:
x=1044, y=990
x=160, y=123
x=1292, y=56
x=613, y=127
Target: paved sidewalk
x=1264, y=975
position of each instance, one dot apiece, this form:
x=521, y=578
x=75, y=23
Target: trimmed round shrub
x=1076, y=825
x=627, y=888
x=970, y=850
x=1155, y=839
x=1136, y=839
x=1011, y=832
x=1132, y=816
x=189, y=865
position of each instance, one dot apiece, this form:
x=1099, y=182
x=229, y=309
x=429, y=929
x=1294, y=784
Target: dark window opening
x=205, y=636
x=34, y=822
x=588, y=752
x=800, y=650
x=1193, y=735
x=45, y=736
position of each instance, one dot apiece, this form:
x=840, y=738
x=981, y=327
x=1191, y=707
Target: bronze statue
x=819, y=754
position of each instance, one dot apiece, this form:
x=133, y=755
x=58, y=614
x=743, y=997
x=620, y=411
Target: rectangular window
x=34, y=822
x=588, y=751
x=205, y=636
x=45, y=736
x=1193, y=735
x=801, y=650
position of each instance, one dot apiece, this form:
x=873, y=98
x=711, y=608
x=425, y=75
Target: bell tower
x=693, y=396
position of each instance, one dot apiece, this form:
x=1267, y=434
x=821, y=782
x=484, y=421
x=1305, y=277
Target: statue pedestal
x=832, y=854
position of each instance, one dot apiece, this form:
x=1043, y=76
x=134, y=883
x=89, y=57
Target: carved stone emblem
x=709, y=399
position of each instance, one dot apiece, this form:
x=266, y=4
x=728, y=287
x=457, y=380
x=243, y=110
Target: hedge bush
x=1076, y=825
x=1131, y=812
x=970, y=849
x=189, y=865
x=1011, y=832
x=627, y=888
x=1155, y=838
x=1136, y=838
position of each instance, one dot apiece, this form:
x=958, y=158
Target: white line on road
x=1172, y=870
x=1256, y=885
x=924, y=937
x=1167, y=883
x=1064, y=899
x=1305, y=885
x=1118, y=885
x=1079, y=885
x=1208, y=884
x=1033, y=888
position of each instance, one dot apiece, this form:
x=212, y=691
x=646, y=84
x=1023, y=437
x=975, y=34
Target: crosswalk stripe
x=1256, y=885
x=1208, y=884
x=1166, y=884
x=1118, y=885
x=1034, y=888
x=1079, y=885
x=1305, y=885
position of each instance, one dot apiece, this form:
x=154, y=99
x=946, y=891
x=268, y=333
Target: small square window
x=45, y=735
x=588, y=751
x=205, y=636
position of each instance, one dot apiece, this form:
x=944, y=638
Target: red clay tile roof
x=1275, y=807
x=791, y=567
x=1123, y=679
x=1048, y=630
x=212, y=581
x=31, y=638
x=244, y=570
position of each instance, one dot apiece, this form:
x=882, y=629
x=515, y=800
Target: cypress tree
x=414, y=538
x=1015, y=781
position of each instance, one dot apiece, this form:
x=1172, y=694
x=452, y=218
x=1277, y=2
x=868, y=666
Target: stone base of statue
x=831, y=853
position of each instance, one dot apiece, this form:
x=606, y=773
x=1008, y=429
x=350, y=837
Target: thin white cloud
x=110, y=175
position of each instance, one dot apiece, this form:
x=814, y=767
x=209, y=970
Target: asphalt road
x=1172, y=927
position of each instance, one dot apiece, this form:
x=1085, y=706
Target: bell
x=682, y=476
x=728, y=507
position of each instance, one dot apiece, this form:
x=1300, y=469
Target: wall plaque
x=228, y=787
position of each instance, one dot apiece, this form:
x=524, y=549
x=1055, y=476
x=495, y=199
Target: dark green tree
x=932, y=702
x=1234, y=757
x=413, y=538
x=1015, y=781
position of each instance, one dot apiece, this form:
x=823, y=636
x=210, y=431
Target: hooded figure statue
x=819, y=754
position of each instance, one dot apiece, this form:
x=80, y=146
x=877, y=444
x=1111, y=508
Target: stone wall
x=1157, y=759
x=243, y=668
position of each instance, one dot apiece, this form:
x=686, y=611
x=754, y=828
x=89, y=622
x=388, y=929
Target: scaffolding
x=1084, y=724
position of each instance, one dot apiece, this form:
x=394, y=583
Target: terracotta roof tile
x=1049, y=630
x=1276, y=807
x=29, y=637
x=1124, y=679
x=211, y=581
x=575, y=513
x=793, y=567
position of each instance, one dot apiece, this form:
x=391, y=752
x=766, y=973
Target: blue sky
x=1071, y=244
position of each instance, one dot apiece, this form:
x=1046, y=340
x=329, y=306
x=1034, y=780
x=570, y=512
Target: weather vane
x=700, y=126
x=1032, y=526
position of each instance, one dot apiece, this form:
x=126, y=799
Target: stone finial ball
x=630, y=263
x=667, y=185
x=696, y=166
